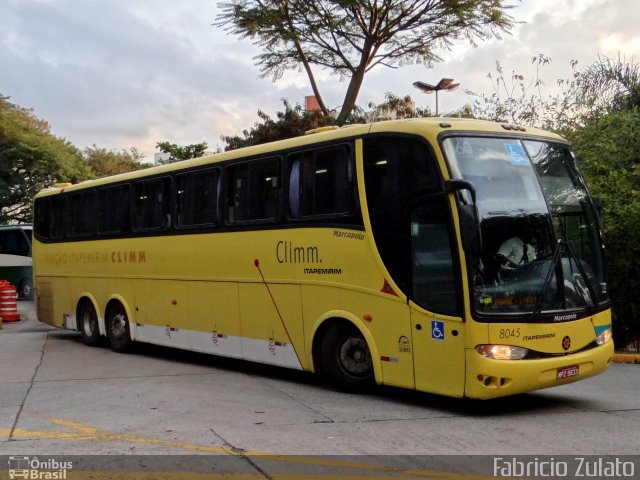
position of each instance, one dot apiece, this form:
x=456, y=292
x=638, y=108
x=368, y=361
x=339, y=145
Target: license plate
x=566, y=372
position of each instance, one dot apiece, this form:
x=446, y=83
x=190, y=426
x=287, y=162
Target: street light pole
x=444, y=84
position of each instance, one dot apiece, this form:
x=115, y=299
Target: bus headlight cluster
x=604, y=337
x=502, y=352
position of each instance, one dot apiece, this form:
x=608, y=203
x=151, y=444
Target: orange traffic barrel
x=8, y=302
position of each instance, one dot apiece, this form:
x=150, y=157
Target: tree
x=351, y=37
x=105, y=162
x=292, y=122
x=610, y=85
x=178, y=153
x=602, y=87
x=514, y=99
x=608, y=148
x=395, y=107
x=31, y=158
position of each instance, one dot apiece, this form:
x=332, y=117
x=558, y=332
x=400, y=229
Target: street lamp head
x=445, y=84
x=425, y=87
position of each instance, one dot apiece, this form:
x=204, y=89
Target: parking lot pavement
x=61, y=397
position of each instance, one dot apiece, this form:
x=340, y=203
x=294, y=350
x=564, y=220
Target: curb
x=626, y=357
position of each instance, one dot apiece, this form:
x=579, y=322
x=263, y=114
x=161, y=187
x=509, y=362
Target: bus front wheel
x=118, y=328
x=88, y=322
x=346, y=359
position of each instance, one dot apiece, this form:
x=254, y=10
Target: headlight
x=604, y=337
x=502, y=352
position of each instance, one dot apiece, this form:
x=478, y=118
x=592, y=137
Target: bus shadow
x=226, y=363
x=534, y=402
x=527, y=403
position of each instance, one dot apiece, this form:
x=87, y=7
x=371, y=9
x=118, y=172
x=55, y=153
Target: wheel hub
x=355, y=357
x=87, y=323
x=118, y=325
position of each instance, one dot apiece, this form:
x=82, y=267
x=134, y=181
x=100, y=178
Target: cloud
x=124, y=73
x=102, y=73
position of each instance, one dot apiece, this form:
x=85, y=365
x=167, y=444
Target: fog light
x=604, y=337
x=502, y=352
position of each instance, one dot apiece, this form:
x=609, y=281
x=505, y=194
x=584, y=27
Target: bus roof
x=429, y=127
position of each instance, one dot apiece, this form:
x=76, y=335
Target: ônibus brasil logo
x=36, y=469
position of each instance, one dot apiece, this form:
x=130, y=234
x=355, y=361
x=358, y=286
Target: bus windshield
x=541, y=248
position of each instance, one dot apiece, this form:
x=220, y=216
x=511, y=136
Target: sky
x=130, y=73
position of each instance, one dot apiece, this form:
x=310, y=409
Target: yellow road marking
x=84, y=432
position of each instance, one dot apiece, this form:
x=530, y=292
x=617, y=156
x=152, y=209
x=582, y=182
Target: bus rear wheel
x=88, y=322
x=346, y=359
x=118, y=328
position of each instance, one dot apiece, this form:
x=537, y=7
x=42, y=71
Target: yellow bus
x=451, y=256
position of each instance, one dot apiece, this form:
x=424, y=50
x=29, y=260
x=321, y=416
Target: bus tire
x=346, y=359
x=88, y=324
x=118, y=328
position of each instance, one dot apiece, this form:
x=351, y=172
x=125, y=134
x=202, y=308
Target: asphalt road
x=60, y=397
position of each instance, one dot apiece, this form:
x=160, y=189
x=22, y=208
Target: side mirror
x=469, y=217
x=597, y=204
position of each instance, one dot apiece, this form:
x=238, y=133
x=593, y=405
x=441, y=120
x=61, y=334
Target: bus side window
x=253, y=190
x=301, y=191
x=333, y=182
x=294, y=188
x=41, y=220
x=13, y=242
x=238, y=192
x=396, y=171
x=113, y=210
x=82, y=216
x=152, y=204
x=58, y=212
x=435, y=285
x=264, y=191
x=321, y=183
x=197, y=198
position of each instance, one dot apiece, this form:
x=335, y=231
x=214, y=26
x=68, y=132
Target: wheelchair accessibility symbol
x=437, y=330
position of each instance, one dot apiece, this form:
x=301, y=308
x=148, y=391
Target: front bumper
x=487, y=378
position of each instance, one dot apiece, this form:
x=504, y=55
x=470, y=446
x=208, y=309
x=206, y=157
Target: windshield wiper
x=583, y=273
x=557, y=254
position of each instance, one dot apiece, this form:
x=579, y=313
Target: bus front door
x=438, y=336
x=438, y=352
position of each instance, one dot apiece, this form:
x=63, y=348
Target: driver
x=515, y=252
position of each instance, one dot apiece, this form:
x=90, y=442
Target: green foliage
x=31, y=158
x=395, y=107
x=608, y=147
x=351, y=37
x=105, y=162
x=610, y=85
x=293, y=122
x=514, y=99
x=178, y=153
